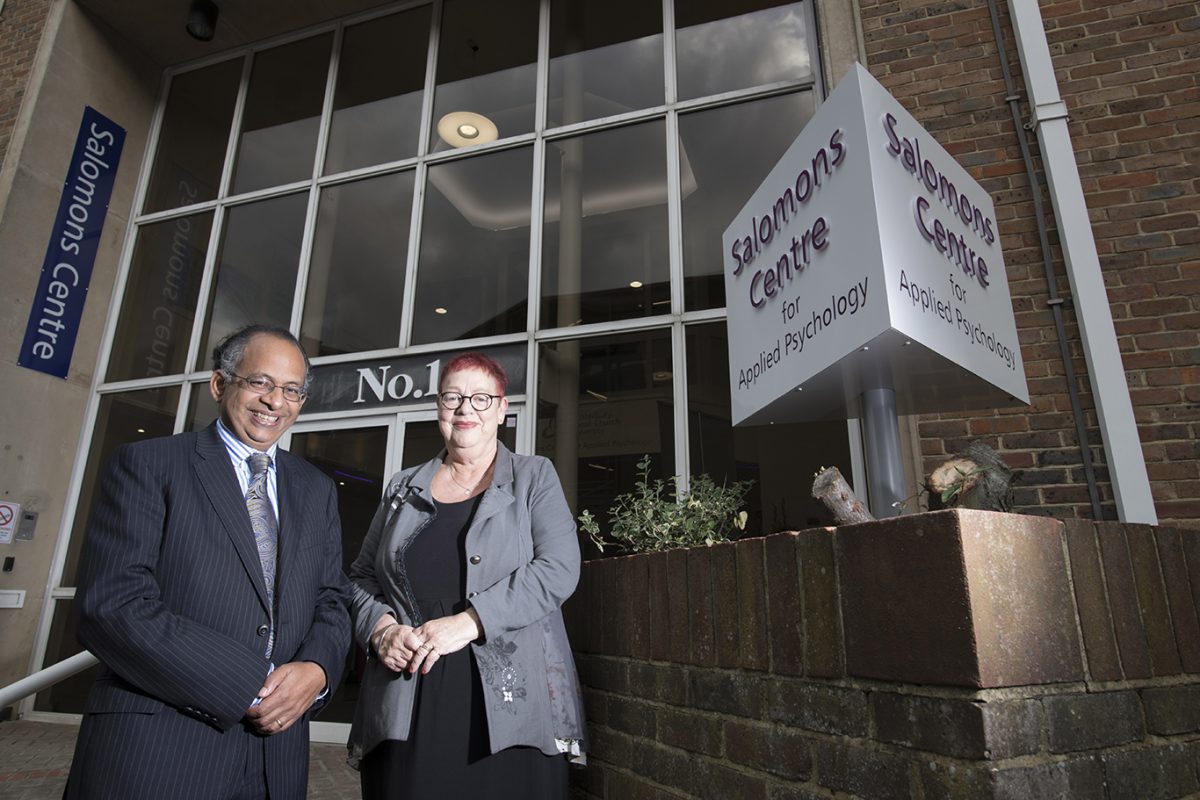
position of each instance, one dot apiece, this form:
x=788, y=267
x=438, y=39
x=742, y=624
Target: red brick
x=1123, y=601
x=726, y=635
x=1152, y=600
x=784, y=604
x=1092, y=602
x=700, y=606
x=752, y=604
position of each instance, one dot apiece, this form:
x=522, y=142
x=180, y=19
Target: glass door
x=356, y=455
x=360, y=455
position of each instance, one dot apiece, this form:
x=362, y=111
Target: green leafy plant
x=649, y=519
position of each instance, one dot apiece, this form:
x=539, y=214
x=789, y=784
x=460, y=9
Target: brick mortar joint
x=929, y=691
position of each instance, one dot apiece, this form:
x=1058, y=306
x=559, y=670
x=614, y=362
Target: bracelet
x=383, y=633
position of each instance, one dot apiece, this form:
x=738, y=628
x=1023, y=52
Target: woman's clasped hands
x=400, y=647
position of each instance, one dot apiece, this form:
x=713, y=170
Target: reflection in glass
x=68, y=695
x=355, y=459
x=730, y=150
x=256, y=268
x=773, y=456
x=603, y=403
x=195, y=132
x=472, y=276
x=604, y=251
x=202, y=409
x=487, y=65
x=605, y=58
x=283, y=112
x=124, y=417
x=722, y=45
x=380, y=83
x=362, y=234
x=159, y=303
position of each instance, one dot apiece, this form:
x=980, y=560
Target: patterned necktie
x=266, y=530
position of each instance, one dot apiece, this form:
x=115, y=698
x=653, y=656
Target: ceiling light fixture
x=439, y=310
x=635, y=284
x=465, y=128
x=202, y=20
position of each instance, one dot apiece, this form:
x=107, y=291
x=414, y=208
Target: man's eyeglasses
x=481, y=401
x=261, y=385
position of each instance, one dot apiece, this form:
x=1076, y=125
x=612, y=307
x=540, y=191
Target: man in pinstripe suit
x=210, y=670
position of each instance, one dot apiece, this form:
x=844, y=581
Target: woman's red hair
x=479, y=361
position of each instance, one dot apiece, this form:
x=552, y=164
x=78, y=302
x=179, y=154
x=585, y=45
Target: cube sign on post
x=867, y=259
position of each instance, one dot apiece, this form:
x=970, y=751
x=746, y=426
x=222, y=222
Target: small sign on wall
x=867, y=258
x=67, y=268
x=10, y=514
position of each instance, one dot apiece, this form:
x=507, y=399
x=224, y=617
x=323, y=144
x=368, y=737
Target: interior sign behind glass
x=67, y=268
x=402, y=381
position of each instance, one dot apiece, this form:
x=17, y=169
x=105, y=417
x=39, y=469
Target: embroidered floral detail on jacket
x=498, y=673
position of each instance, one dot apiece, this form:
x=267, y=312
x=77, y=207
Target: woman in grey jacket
x=470, y=686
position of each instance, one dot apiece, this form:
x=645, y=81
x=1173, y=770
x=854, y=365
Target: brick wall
x=21, y=24
x=953, y=654
x=1127, y=72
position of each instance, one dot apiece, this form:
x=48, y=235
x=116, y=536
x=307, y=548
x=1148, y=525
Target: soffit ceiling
x=156, y=27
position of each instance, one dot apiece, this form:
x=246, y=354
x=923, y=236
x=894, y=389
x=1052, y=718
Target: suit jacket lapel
x=215, y=472
x=291, y=521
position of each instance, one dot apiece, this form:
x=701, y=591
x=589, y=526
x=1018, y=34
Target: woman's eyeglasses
x=480, y=401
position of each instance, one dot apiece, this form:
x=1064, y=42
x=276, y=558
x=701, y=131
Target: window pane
x=603, y=403
x=202, y=409
x=256, y=268
x=362, y=233
x=604, y=252
x=487, y=65
x=195, y=132
x=159, y=304
x=727, y=152
x=780, y=459
x=606, y=58
x=355, y=460
x=283, y=112
x=68, y=695
x=381, y=80
x=473, y=273
x=758, y=42
x=125, y=417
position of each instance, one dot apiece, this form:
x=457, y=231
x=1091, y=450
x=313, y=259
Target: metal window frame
x=675, y=322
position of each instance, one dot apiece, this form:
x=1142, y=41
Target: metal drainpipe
x=1054, y=302
x=1106, y=372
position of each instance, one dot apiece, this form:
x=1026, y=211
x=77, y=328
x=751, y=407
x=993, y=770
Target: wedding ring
x=278, y=724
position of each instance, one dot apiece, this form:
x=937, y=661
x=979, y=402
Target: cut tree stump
x=832, y=490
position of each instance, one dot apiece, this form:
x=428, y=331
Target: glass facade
x=470, y=174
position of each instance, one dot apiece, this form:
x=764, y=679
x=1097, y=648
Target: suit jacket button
x=475, y=559
x=263, y=630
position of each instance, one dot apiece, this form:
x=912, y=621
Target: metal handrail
x=45, y=678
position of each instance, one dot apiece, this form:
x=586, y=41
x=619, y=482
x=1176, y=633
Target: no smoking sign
x=9, y=514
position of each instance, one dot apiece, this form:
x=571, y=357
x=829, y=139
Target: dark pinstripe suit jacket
x=171, y=600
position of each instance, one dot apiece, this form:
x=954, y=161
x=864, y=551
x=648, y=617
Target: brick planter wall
x=951, y=654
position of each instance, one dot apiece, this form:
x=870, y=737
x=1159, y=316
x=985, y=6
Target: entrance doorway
x=360, y=455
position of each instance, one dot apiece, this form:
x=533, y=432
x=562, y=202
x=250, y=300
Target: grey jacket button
x=263, y=630
x=475, y=559
x=471, y=594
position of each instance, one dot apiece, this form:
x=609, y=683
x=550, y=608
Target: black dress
x=447, y=753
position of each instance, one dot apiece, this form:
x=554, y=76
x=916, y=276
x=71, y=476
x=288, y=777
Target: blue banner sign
x=71, y=254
